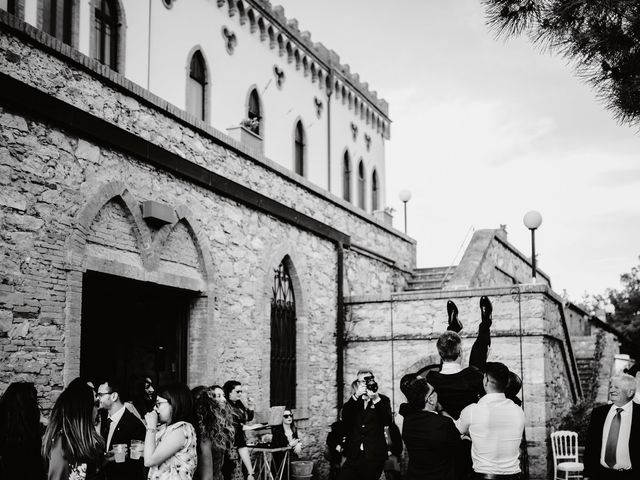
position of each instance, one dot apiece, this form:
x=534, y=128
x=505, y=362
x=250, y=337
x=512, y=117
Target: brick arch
x=77, y=240
x=185, y=217
x=298, y=271
x=201, y=328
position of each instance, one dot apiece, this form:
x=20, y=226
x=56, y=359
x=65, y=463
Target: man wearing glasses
x=119, y=427
x=364, y=416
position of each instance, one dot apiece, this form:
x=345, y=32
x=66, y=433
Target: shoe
x=486, y=309
x=452, y=313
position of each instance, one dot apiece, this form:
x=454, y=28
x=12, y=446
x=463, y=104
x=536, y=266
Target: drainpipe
x=329, y=92
x=340, y=329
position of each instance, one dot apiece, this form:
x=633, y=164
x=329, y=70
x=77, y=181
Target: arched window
x=375, y=192
x=361, y=184
x=8, y=6
x=57, y=18
x=346, y=177
x=254, y=115
x=283, y=339
x=106, y=32
x=299, y=149
x=196, y=85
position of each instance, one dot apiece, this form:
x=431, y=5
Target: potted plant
x=248, y=133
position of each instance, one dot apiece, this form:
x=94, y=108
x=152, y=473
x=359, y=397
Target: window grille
x=196, y=84
x=375, y=192
x=8, y=6
x=346, y=178
x=106, y=33
x=361, y=182
x=283, y=340
x=299, y=149
x=57, y=18
x=254, y=112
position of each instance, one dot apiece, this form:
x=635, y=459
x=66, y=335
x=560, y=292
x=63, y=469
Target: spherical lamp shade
x=405, y=196
x=532, y=220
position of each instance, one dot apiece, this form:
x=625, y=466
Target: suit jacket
x=128, y=428
x=593, y=447
x=365, y=426
x=432, y=441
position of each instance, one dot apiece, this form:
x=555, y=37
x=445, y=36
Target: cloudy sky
x=485, y=130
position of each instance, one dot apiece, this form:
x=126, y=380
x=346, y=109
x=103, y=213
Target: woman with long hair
x=73, y=448
x=20, y=435
x=286, y=435
x=215, y=432
x=241, y=415
x=170, y=442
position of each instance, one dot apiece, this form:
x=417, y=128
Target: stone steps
x=429, y=278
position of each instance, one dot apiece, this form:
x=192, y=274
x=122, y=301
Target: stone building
x=120, y=211
x=136, y=238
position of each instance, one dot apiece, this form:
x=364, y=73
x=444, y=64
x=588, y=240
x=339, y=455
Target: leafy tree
x=626, y=317
x=600, y=37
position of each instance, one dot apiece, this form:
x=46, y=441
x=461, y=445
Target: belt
x=496, y=476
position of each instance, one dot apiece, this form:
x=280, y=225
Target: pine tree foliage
x=601, y=38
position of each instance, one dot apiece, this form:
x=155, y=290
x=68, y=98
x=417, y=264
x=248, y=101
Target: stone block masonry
x=396, y=334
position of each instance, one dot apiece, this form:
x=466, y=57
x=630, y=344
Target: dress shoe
x=452, y=313
x=486, y=309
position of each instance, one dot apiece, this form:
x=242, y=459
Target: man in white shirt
x=495, y=425
x=119, y=427
x=612, y=450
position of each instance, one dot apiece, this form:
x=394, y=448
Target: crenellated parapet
x=312, y=59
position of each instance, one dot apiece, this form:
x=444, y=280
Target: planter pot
x=246, y=136
x=301, y=469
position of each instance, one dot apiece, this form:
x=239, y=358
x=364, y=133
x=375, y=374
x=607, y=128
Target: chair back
x=565, y=446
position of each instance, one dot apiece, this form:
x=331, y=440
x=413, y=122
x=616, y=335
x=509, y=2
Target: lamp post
x=532, y=220
x=405, y=196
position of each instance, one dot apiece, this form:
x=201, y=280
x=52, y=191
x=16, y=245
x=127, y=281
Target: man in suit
x=364, y=417
x=612, y=450
x=119, y=427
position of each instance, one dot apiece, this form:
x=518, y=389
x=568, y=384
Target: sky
x=486, y=129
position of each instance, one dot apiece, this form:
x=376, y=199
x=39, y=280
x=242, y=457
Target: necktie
x=612, y=439
x=104, y=428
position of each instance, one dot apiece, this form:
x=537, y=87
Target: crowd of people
x=458, y=423
x=99, y=433
x=468, y=423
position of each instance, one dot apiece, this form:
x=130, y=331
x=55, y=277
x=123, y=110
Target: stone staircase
x=584, y=348
x=429, y=278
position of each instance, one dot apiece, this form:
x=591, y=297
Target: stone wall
x=490, y=260
x=396, y=334
x=139, y=112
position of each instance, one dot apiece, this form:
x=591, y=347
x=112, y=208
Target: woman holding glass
x=170, y=445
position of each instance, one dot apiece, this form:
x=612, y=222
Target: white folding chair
x=565, y=455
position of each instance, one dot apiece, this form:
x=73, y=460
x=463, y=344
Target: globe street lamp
x=405, y=196
x=532, y=220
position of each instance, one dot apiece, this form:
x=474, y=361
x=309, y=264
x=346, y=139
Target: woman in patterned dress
x=71, y=445
x=171, y=449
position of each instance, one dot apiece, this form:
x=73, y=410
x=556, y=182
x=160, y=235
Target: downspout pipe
x=340, y=330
